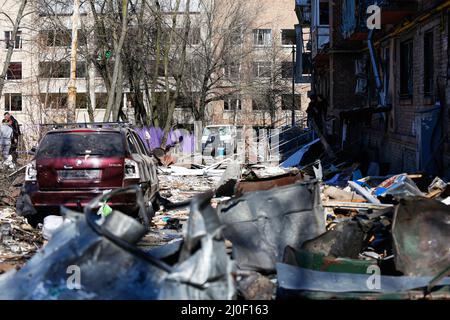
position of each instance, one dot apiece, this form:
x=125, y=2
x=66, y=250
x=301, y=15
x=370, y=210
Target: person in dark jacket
x=15, y=137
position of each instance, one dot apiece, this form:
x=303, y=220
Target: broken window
x=288, y=37
x=287, y=69
x=306, y=63
x=14, y=43
x=286, y=102
x=324, y=12
x=14, y=71
x=232, y=103
x=428, y=63
x=261, y=69
x=406, y=68
x=262, y=37
x=13, y=102
x=62, y=144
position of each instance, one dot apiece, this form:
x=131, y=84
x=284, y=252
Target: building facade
x=38, y=77
x=388, y=89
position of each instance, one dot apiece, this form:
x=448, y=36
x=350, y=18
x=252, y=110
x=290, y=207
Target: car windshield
x=67, y=145
x=224, y=131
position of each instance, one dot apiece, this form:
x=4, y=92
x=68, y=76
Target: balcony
x=320, y=28
x=303, y=11
x=320, y=36
x=354, y=16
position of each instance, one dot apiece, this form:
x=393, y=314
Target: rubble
x=203, y=269
x=266, y=178
x=269, y=233
x=18, y=240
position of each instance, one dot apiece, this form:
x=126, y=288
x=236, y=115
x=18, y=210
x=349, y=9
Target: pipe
x=376, y=72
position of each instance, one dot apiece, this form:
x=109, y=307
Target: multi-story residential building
x=388, y=104
x=270, y=69
x=38, y=77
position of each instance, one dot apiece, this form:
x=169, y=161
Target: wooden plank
x=355, y=205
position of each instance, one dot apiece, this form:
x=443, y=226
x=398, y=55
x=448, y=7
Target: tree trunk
x=117, y=55
x=179, y=75
x=89, y=94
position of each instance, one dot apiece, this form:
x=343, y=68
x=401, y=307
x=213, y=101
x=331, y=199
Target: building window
x=428, y=63
x=232, y=71
x=236, y=38
x=82, y=100
x=286, y=102
x=288, y=37
x=257, y=105
x=101, y=100
x=13, y=102
x=287, y=69
x=14, y=71
x=54, y=100
x=406, y=68
x=193, y=37
x=60, y=69
x=324, y=13
x=14, y=43
x=56, y=38
x=232, y=103
x=262, y=37
x=261, y=69
x=185, y=103
x=306, y=63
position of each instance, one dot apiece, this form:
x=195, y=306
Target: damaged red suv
x=73, y=166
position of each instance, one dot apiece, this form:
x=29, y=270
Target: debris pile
x=18, y=240
x=317, y=231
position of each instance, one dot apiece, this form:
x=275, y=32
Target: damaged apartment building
x=387, y=87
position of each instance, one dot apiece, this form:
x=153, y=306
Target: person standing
x=15, y=137
x=6, y=134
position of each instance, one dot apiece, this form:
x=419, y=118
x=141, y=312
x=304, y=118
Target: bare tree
x=16, y=25
x=272, y=73
x=217, y=61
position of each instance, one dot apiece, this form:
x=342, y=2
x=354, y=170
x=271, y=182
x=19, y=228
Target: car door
x=148, y=163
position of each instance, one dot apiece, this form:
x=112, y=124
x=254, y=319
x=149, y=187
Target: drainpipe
x=376, y=73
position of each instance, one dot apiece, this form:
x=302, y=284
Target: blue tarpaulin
x=296, y=158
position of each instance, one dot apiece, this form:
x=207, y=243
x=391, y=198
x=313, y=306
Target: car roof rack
x=86, y=125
